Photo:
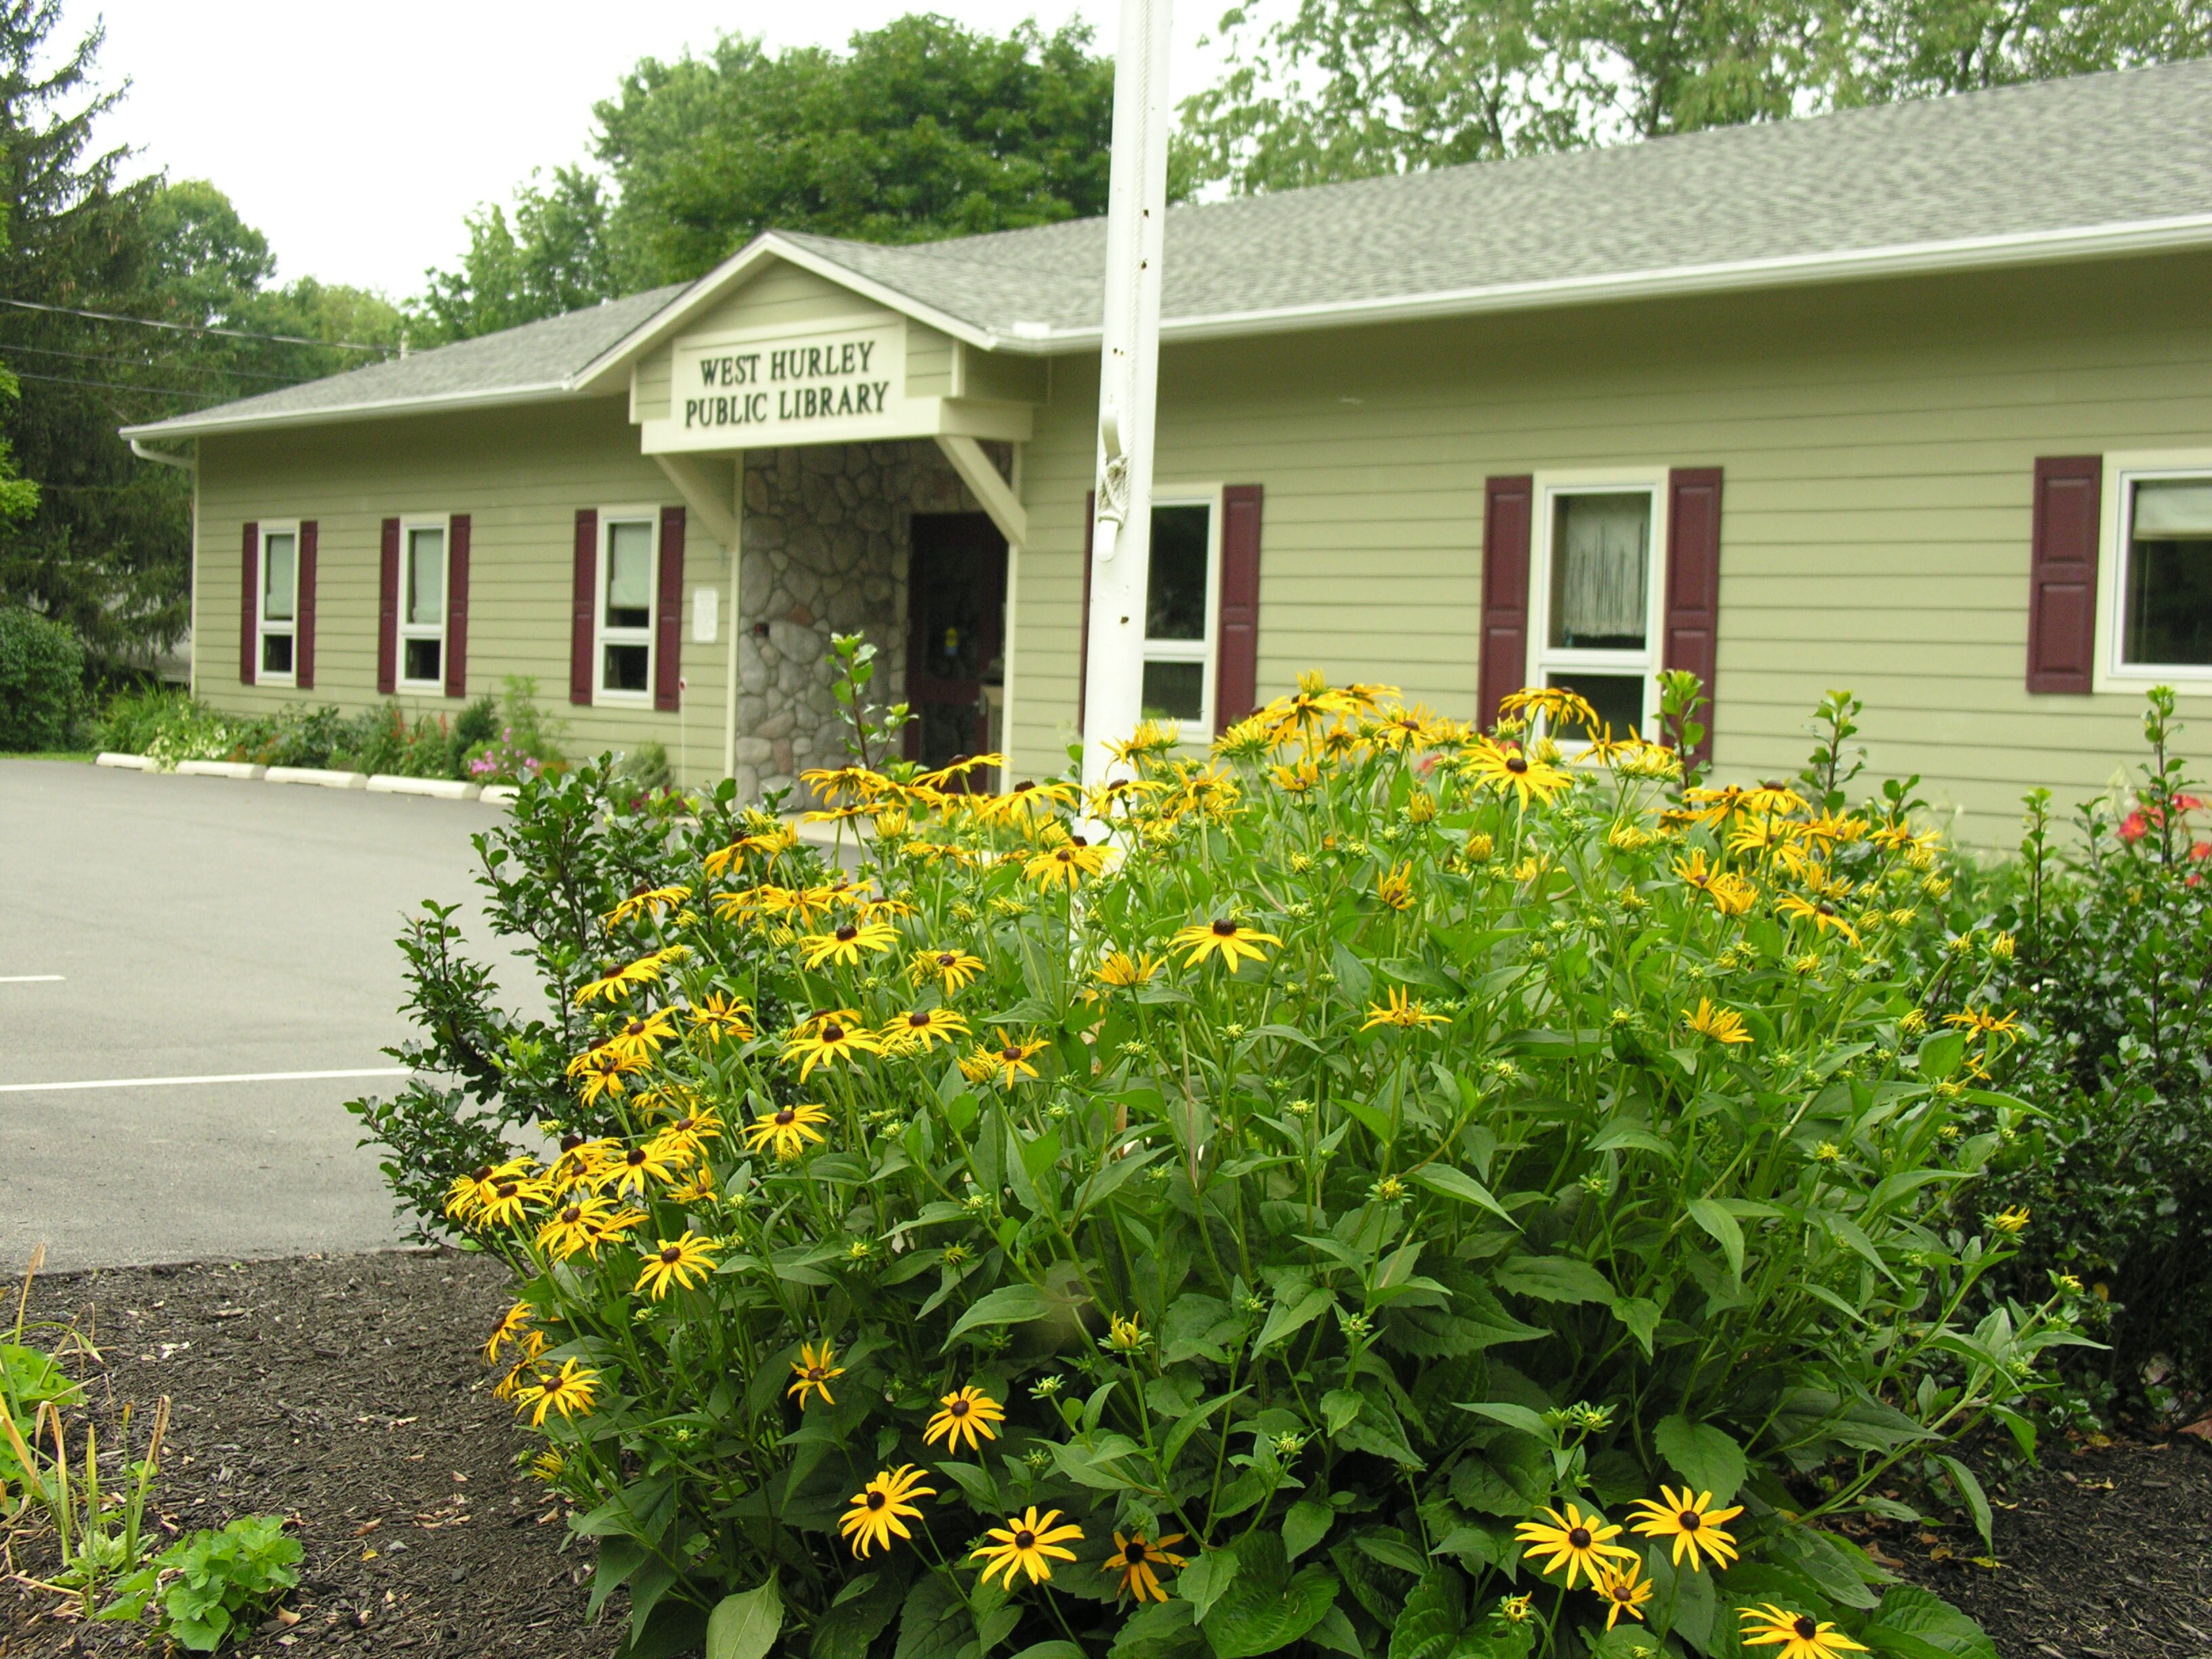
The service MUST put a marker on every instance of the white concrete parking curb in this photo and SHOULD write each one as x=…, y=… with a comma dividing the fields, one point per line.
x=318, y=774
x=384, y=783
x=220, y=770
x=126, y=763
x=499, y=794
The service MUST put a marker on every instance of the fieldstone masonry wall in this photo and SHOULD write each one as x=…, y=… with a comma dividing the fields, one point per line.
x=827, y=536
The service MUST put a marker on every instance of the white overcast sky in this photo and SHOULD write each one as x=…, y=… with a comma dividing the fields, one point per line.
x=357, y=138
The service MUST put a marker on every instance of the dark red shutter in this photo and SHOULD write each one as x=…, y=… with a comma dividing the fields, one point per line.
x=303, y=609
x=249, y=604
x=1236, y=648
x=1506, y=519
x=668, y=614
x=387, y=611
x=1082, y=627
x=457, y=606
x=580, y=631
x=2062, y=573
x=1694, y=584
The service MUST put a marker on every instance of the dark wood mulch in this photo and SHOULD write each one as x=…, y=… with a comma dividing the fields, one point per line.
x=347, y=1393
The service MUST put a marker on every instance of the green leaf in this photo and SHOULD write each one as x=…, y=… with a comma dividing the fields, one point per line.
x=848, y=1629
x=1925, y=1618
x=1513, y=1416
x=1977, y=1501
x=1202, y=1583
x=1723, y=1226
x=1623, y=1133
x=934, y=1623
x=1306, y=1525
x=1707, y=1457
x=1434, y=1615
x=1287, y=1318
x=1335, y=1634
x=1010, y=1304
x=1641, y=1315
x=1554, y=1278
x=1059, y=1647
x=1338, y=1408
x=1252, y=1619
x=1457, y=1183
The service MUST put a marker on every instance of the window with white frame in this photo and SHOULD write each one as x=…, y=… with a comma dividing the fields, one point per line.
x=1180, y=611
x=629, y=562
x=1595, y=590
x=2162, y=609
x=423, y=605
x=278, y=619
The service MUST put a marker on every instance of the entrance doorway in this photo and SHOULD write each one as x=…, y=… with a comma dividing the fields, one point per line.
x=956, y=637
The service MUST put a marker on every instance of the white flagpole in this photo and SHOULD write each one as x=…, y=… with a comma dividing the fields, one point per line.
x=1128, y=381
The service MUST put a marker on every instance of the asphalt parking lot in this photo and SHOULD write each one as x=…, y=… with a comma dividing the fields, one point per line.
x=187, y=929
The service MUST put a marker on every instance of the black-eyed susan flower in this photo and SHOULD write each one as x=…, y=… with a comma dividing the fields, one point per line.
x=655, y=899
x=640, y=1037
x=678, y=1261
x=815, y=1368
x=1032, y=1542
x=1799, y=1635
x=1006, y=1058
x=1980, y=1022
x=922, y=1030
x=1151, y=738
x=1691, y=1521
x=512, y=1324
x=1401, y=1010
x=1508, y=770
x=1137, y=1560
x=720, y=1015
x=1124, y=972
x=576, y=1226
x=825, y=1039
x=1576, y=1541
x=1394, y=887
x=568, y=1391
x=952, y=969
x=1555, y=704
x=1295, y=777
x=843, y=945
x=619, y=981
x=882, y=1507
x=629, y=1170
x=1624, y=1589
x=2010, y=1221
x=1126, y=1334
x=788, y=1130
x=687, y=1133
x=1824, y=916
x=602, y=1071
x=1723, y=1025
x=1232, y=940
x=965, y=1414
x=1064, y=866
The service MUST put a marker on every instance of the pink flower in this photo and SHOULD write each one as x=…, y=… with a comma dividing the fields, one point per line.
x=2135, y=826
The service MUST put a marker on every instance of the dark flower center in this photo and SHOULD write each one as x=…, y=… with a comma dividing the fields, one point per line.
x=958, y=1408
x=1224, y=929
x=1077, y=841
x=1691, y=1520
x=833, y=1034
x=484, y=1173
x=876, y=1500
x=573, y=1214
x=1066, y=855
x=1515, y=764
x=1024, y=1540
x=507, y=1189
x=683, y=1124
x=635, y=1158
x=671, y=1255
x=1806, y=1629
x=1025, y=785
x=633, y=1028
x=814, y=1373
x=569, y=1143
x=786, y=1117
x=1011, y=1051
x=918, y=1021
x=945, y=959
x=1135, y=1552
x=847, y=933
x=1826, y=909
x=1580, y=1538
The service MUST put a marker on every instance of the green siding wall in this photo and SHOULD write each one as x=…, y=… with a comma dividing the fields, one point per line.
x=520, y=474
x=1878, y=442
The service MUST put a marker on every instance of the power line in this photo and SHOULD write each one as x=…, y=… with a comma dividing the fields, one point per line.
x=118, y=385
x=8, y=347
x=196, y=328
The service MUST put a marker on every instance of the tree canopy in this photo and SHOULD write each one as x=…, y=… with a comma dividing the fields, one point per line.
x=1317, y=90
x=923, y=129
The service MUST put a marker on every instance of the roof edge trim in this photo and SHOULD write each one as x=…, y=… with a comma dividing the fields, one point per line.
x=184, y=426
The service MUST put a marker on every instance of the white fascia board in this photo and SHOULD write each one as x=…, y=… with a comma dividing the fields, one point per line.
x=1902, y=259
x=542, y=391
x=600, y=374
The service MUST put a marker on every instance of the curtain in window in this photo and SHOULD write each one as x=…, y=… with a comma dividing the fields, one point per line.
x=2173, y=511
x=1602, y=572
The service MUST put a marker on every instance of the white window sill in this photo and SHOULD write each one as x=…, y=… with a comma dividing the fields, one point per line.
x=621, y=700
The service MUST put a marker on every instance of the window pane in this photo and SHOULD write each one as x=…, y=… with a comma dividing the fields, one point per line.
x=625, y=668
x=423, y=657
x=2173, y=508
x=426, y=579
x=1174, y=690
x=2169, y=585
x=1175, y=596
x=279, y=562
x=629, y=576
x=276, y=653
x=1618, y=698
x=1600, y=560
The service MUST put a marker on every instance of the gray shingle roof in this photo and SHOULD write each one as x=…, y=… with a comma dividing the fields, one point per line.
x=2028, y=168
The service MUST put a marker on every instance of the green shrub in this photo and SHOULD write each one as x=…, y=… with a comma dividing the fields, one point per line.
x=525, y=744
x=226, y=1580
x=1393, y=1136
x=41, y=681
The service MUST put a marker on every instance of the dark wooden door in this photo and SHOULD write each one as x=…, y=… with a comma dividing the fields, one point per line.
x=955, y=634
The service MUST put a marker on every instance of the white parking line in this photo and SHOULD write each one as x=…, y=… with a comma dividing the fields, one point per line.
x=28, y=979
x=169, y=1082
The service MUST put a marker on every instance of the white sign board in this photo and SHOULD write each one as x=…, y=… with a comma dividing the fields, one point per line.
x=706, y=614
x=830, y=384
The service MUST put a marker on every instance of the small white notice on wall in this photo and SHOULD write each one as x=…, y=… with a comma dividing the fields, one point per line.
x=706, y=611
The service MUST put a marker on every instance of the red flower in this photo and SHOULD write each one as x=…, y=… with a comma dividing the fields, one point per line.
x=2135, y=826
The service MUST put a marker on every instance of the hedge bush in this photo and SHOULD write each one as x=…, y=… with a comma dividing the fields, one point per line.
x=1396, y=1159
x=41, y=681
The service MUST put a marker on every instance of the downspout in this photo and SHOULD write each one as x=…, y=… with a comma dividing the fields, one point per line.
x=189, y=463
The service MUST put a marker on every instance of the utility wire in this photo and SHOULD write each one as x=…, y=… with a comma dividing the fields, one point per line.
x=8, y=347
x=118, y=385
x=196, y=328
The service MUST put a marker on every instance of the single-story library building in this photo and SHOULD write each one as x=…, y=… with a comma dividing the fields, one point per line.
x=1915, y=400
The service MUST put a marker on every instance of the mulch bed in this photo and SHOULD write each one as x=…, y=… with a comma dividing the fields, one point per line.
x=347, y=1393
